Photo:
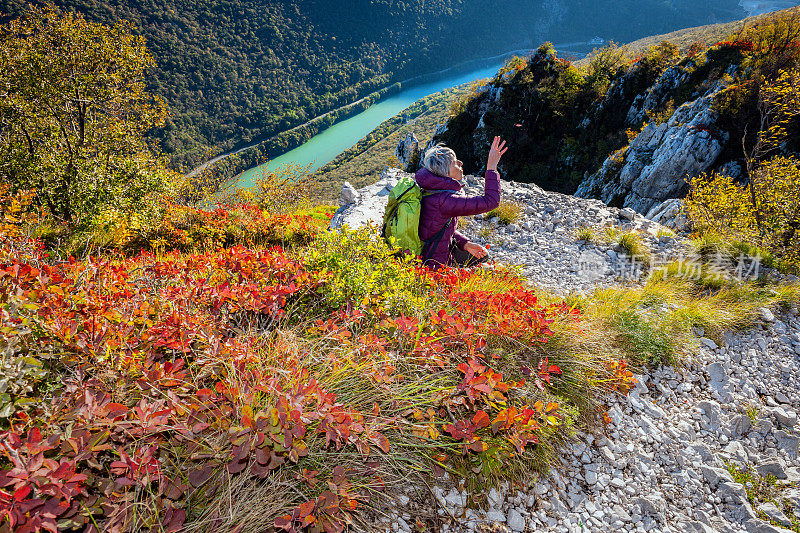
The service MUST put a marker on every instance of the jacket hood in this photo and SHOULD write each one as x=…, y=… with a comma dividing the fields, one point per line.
x=431, y=182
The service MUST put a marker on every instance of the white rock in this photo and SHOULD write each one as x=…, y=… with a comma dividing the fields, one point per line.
x=788, y=442
x=714, y=476
x=776, y=467
x=516, y=521
x=708, y=343
x=348, y=194
x=784, y=417
x=772, y=511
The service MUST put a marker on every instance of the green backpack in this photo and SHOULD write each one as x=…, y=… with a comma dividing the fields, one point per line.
x=401, y=218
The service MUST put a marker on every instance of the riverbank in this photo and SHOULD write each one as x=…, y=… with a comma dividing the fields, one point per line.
x=238, y=160
x=254, y=154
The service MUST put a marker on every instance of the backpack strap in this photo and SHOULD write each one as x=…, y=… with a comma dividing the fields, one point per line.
x=427, y=249
x=431, y=244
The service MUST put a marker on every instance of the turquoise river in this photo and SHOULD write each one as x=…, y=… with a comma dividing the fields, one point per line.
x=326, y=145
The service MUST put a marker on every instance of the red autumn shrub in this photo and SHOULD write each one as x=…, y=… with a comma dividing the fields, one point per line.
x=167, y=375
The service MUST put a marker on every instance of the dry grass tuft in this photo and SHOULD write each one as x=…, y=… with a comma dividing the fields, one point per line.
x=507, y=212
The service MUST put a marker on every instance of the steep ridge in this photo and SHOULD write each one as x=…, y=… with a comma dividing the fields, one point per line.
x=362, y=162
x=665, y=460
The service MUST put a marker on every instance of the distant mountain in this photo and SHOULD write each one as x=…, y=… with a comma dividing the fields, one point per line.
x=234, y=71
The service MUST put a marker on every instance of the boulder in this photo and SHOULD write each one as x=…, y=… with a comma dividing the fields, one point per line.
x=733, y=169
x=715, y=476
x=775, y=467
x=407, y=150
x=774, y=514
x=788, y=442
x=660, y=158
x=784, y=417
x=368, y=202
x=670, y=214
x=348, y=195
x=653, y=507
x=740, y=425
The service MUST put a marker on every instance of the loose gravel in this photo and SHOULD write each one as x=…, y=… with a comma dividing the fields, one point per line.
x=662, y=463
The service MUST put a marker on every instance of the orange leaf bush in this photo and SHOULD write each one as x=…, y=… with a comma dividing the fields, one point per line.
x=172, y=373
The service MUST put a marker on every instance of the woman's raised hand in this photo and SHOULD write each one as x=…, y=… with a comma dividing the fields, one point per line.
x=495, y=153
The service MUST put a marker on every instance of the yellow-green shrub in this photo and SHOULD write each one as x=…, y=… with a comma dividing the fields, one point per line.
x=765, y=213
x=363, y=270
x=506, y=212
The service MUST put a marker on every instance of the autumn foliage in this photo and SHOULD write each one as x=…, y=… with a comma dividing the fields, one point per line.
x=156, y=379
x=764, y=211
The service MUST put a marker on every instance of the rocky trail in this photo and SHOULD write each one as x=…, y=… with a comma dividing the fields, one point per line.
x=661, y=464
x=543, y=242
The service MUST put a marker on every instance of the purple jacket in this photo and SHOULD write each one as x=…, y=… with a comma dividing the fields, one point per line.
x=438, y=208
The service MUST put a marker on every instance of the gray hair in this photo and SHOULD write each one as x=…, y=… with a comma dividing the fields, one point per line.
x=438, y=159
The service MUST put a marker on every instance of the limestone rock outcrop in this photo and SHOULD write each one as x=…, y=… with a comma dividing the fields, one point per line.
x=348, y=194
x=438, y=130
x=656, y=164
x=407, y=150
x=656, y=95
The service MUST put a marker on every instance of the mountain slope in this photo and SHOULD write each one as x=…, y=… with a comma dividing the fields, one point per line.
x=629, y=130
x=235, y=71
x=360, y=164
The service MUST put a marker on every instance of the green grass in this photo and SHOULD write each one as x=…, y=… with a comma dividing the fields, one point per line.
x=586, y=233
x=629, y=241
x=653, y=324
x=752, y=413
x=318, y=212
x=507, y=212
x=486, y=232
x=612, y=233
x=763, y=489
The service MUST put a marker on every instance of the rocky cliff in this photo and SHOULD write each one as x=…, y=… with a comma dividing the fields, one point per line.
x=654, y=167
x=630, y=133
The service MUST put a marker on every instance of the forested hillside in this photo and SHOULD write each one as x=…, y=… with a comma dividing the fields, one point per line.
x=234, y=71
x=360, y=164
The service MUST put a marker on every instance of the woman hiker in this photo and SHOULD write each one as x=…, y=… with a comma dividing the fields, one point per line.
x=438, y=221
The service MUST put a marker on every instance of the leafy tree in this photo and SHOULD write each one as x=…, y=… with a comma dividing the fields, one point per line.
x=766, y=210
x=74, y=113
x=603, y=65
